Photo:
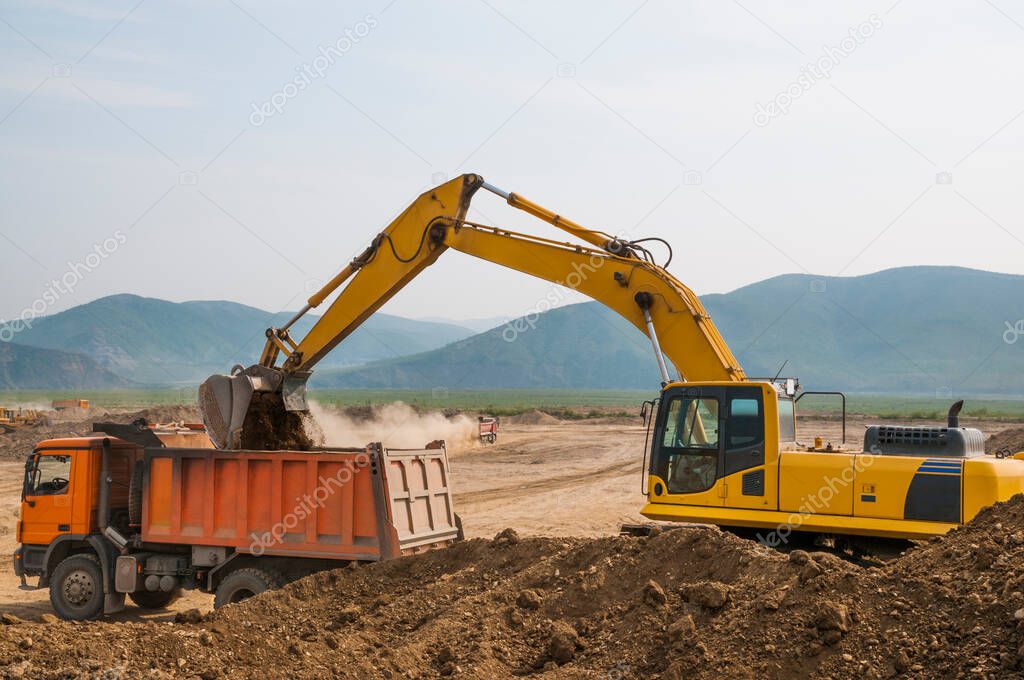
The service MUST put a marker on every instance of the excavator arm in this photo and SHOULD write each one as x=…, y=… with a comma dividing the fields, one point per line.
x=613, y=271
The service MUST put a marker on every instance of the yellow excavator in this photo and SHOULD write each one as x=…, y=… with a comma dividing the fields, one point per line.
x=15, y=419
x=723, y=447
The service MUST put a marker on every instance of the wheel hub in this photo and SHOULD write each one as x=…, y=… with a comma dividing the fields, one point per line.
x=78, y=588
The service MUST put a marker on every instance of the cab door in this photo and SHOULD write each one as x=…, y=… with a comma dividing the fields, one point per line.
x=686, y=462
x=747, y=481
x=46, y=510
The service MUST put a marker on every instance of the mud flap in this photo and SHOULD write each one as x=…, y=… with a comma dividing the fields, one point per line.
x=113, y=603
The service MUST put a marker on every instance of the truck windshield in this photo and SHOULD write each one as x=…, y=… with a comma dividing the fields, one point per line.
x=49, y=475
x=688, y=456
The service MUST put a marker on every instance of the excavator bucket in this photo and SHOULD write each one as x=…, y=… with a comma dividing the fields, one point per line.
x=224, y=400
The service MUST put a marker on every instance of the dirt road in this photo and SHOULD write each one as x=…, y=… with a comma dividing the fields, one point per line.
x=571, y=479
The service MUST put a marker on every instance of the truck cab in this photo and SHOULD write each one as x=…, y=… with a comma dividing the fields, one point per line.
x=66, y=511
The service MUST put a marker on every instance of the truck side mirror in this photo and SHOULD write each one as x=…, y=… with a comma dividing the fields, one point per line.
x=30, y=467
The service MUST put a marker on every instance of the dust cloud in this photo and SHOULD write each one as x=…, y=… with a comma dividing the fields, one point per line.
x=396, y=425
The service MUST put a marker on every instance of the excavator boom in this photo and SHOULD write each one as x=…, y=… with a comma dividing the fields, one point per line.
x=616, y=272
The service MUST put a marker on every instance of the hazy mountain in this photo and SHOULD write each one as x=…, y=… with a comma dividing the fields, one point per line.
x=583, y=345
x=25, y=368
x=477, y=325
x=915, y=329
x=155, y=341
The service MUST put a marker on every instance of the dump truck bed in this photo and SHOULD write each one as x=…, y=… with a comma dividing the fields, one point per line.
x=348, y=504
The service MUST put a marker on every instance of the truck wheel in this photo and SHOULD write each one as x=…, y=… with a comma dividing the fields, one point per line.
x=154, y=599
x=242, y=584
x=76, y=588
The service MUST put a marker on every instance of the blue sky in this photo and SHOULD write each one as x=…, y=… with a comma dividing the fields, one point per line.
x=135, y=118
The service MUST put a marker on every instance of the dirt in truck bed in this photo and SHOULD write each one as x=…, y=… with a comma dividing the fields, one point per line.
x=687, y=603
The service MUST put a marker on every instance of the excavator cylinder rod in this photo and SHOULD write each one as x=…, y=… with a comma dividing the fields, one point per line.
x=599, y=239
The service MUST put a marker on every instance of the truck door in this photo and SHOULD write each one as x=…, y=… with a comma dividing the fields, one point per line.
x=46, y=510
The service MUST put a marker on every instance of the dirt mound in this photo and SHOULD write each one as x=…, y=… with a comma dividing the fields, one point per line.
x=169, y=414
x=534, y=417
x=1011, y=440
x=19, y=444
x=687, y=603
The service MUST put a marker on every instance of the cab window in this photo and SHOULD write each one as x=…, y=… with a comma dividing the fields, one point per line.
x=787, y=420
x=688, y=459
x=746, y=427
x=49, y=475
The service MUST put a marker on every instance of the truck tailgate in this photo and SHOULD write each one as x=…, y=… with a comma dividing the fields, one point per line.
x=420, y=498
x=348, y=504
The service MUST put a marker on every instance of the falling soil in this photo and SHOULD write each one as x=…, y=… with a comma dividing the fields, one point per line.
x=687, y=603
x=269, y=426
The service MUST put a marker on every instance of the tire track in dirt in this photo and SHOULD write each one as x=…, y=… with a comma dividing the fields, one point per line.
x=574, y=481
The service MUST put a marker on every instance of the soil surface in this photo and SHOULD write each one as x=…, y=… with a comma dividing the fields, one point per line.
x=1010, y=440
x=17, y=445
x=561, y=596
x=687, y=603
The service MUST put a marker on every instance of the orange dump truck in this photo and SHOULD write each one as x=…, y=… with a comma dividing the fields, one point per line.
x=146, y=513
x=64, y=404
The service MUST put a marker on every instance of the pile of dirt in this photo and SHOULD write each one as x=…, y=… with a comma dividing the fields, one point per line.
x=20, y=443
x=269, y=426
x=692, y=602
x=687, y=603
x=170, y=414
x=1011, y=440
x=534, y=417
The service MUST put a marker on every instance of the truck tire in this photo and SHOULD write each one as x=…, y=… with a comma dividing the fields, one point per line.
x=76, y=588
x=135, y=496
x=154, y=599
x=244, y=583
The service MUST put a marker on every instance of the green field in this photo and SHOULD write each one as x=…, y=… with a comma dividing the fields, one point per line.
x=914, y=407
x=565, y=403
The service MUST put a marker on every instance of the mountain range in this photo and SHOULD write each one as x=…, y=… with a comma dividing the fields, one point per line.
x=907, y=330
x=151, y=341
x=923, y=330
